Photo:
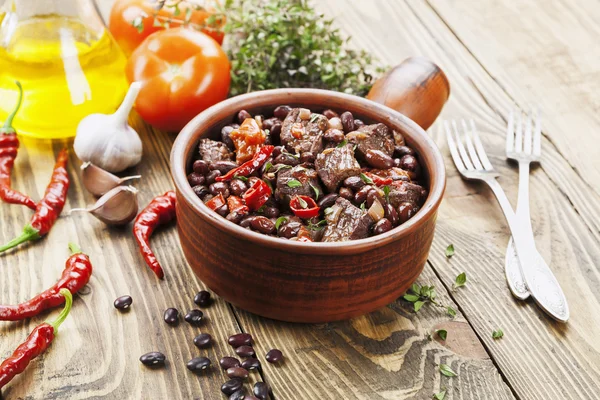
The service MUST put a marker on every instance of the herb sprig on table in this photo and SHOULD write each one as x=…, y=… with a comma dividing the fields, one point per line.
x=286, y=43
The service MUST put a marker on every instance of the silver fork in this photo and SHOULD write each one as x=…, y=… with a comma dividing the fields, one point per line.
x=525, y=149
x=473, y=164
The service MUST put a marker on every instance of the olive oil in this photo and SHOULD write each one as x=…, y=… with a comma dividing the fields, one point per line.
x=67, y=71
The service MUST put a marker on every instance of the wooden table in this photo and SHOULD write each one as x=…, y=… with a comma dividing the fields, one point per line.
x=498, y=55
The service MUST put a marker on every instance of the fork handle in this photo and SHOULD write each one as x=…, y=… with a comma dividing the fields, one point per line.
x=539, y=278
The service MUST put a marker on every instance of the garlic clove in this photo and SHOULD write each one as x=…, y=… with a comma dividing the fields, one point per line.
x=118, y=206
x=98, y=181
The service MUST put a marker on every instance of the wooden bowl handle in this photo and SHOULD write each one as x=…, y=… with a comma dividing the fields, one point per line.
x=416, y=88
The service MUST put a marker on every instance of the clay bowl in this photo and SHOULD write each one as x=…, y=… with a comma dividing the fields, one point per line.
x=297, y=281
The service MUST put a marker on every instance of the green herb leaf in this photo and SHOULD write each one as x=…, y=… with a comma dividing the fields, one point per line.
x=498, y=334
x=302, y=202
x=314, y=117
x=415, y=288
x=450, y=250
x=451, y=311
x=446, y=370
x=366, y=179
x=268, y=166
x=328, y=211
x=283, y=166
x=294, y=183
x=342, y=143
x=442, y=333
x=363, y=206
x=138, y=23
x=418, y=305
x=386, y=193
x=411, y=297
x=280, y=221
x=440, y=396
x=460, y=280
x=316, y=190
x=241, y=178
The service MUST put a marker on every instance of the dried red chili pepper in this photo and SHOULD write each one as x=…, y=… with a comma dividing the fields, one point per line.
x=236, y=204
x=257, y=195
x=216, y=202
x=9, y=147
x=260, y=157
x=304, y=207
x=378, y=180
x=49, y=208
x=37, y=342
x=160, y=211
x=77, y=273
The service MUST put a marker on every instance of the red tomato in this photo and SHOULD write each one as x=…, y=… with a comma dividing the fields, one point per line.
x=183, y=72
x=124, y=13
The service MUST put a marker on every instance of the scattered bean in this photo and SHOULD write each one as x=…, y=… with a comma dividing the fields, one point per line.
x=226, y=135
x=251, y=398
x=212, y=175
x=239, y=395
x=237, y=372
x=354, y=183
x=195, y=179
x=346, y=193
x=153, y=359
x=171, y=316
x=229, y=362
x=327, y=200
x=378, y=159
x=261, y=390
x=231, y=386
x=274, y=356
x=382, y=226
x=202, y=298
x=333, y=135
x=123, y=303
x=262, y=225
x=200, y=191
x=245, y=351
x=282, y=111
x=203, y=340
x=201, y=167
x=330, y=114
x=198, y=364
x=347, y=121
x=251, y=363
x=242, y=116
x=240, y=339
x=194, y=317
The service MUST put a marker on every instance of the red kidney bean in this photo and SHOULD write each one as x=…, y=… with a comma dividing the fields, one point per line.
x=346, y=193
x=226, y=135
x=229, y=362
x=239, y=395
x=411, y=164
x=348, y=121
x=223, y=211
x=282, y=111
x=198, y=364
x=212, y=175
x=237, y=372
x=287, y=159
x=400, y=151
x=354, y=183
x=271, y=212
x=391, y=214
x=372, y=195
x=123, y=303
x=330, y=114
x=153, y=359
x=327, y=200
x=219, y=187
x=378, y=159
x=275, y=132
x=250, y=364
x=245, y=351
x=195, y=179
x=261, y=390
x=201, y=167
x=240, y=339
x=237, y=187
x=358, y=123
x=307, y=157
x=231, y=386
x=203, y=340
x=194, y=317
x=171, y=316
x=262, y=225
x=274, y=356
x=269, y=122
x=333, y=135
x=242, y=116
x=406, y=211
x=200, y=191
x=202, y=298
x=277, y=150
x=361, y=196
x=382, y=226
x=246, y=221
x=250, y=397
x=235, y=217
x=223, y=166
x=289, y=229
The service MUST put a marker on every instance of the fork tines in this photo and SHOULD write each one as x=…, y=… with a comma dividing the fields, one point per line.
x=467, y=150
x=524, y=137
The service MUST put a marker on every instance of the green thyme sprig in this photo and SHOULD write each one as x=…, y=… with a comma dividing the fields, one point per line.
x=420, y=295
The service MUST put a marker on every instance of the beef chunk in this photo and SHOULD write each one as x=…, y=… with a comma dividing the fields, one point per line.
x=300, y=136
x=336, y=164
x=401, y=192
x=305, y=176
x=346, y=222
x=211, y=151
x=372, y=137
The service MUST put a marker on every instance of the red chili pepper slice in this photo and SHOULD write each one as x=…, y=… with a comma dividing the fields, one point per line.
x=304, y=207
x=236, y=204
x=378, y=180
x=37, y=342
x=216, y=202
x=260, y=157
x=257, y=195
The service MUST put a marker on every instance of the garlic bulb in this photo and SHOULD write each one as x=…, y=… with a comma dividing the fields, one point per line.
x=107, y=140
x=118, y=206
x=98, y=181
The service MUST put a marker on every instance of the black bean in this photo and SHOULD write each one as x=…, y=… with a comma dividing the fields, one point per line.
x=307, y=157
x=153, y=359
x=274, y=356
x=333, y=135
x=330, y=114
x=237, y=372
x=275, y=132
x=123, y=303
x=237, y=187
x=229, y=362
x=240, y=339
x=239, y=395
x=195, y=179
x=382, y=226
x=251, y=398
x=245, y=351
x=289, y=229
x=202, y=298
x=246, y=221
x=358, y=123
x=203, y=340
x=271, y=212
x=347, y=121
x=372, y=195
x=391, y=214
x=201, y=167
x=378, y=159
x=361, y=196
x=287, y=159
x=262, y=225
x=251, y=363
x=346, y=193
x=269, y=122
x=277, y=150
x=226, y=135
x=243, y=115
x=223, y=210
x=219, y=187
x=198, y=364
x=282, y=111
x=400, y=151
x=261, y=390
x=171, y=316
x=200, y=191
x=212, y=175
x=231, y=386
x=327, y=200
x=406, y=211
x=411, y=164
x=235, y=217
x=194, y=317
x=354, y=182
x=223, y=166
